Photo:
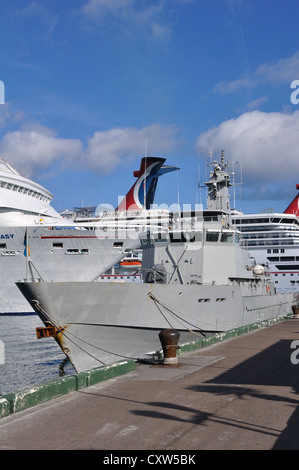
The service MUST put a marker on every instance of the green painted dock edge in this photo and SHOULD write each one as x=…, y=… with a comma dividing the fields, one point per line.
x=14, y=402
x=218, y=337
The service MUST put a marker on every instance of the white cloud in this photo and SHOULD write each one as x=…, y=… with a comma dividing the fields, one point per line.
x=47, y=19
x=96, y=9
x=257, y=103
x=275, y=73
x=8, y=115
x=233, y=86
x=106, y=149
x=266, y=144
x=283, y=71
x=156, y=19
x=34, y=148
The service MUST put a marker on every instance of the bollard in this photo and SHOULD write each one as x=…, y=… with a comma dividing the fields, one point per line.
x=169, y=340
x=295, y=309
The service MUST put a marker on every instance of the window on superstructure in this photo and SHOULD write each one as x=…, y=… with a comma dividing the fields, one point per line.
x=227, y=237
x=160, y=238
x=257, y=221
x=212, y=236
x=286, y=221
x=179, y=237
x=117, y=244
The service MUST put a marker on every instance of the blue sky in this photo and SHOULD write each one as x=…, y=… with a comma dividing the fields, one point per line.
x=90, y=83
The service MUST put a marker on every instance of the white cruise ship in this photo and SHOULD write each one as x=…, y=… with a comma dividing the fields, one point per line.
x=34, y=237
x=272, y=239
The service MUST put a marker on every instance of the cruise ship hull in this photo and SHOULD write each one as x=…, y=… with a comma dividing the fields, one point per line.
x=55, y=254
x=101, y=323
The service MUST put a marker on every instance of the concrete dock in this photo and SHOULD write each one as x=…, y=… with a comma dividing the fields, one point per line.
x=239, y=394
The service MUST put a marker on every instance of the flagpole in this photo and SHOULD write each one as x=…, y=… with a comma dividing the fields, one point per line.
x=144, y=181
x=26, y=254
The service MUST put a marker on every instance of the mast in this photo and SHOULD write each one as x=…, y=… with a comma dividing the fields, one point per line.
x=144, y=181
x=218, y=184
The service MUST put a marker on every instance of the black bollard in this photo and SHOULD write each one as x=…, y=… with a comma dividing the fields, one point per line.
x=169, y=340
x=295, y=309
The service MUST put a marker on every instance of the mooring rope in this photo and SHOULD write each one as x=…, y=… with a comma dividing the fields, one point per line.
x=61, y=330
x=170, y=310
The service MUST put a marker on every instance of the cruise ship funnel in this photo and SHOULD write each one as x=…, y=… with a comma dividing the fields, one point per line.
x=293, y=207
x=142, y=193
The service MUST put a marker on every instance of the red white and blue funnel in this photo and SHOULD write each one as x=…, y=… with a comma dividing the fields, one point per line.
x=142, y=193
x=293, y=207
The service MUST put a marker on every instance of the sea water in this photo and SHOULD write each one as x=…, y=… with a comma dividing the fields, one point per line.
x=24, y=359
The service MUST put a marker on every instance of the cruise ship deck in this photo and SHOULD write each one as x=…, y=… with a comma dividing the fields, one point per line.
x=272, y=239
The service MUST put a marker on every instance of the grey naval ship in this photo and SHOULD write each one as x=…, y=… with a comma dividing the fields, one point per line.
x=196, y=278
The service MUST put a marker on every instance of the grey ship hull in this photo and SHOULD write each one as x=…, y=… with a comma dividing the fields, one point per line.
x=106, y=322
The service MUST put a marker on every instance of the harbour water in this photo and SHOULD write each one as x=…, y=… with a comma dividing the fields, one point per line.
x=24, y=359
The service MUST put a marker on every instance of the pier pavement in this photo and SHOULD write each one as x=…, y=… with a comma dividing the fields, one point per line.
x=239, y=394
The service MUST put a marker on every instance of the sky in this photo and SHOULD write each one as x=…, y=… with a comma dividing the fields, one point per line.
x=89, y=87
